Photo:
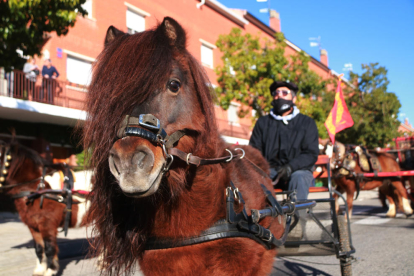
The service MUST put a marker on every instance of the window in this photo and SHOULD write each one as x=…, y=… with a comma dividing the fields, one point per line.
x=78, y=71
x=135, y=22
x=206, y=56
x=88, y=7
x=207, y=53
x=232, y=116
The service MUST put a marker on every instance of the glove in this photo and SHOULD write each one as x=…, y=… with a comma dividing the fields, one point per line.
x=284, y=172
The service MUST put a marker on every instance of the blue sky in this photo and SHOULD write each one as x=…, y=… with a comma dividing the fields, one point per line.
x=354, y=32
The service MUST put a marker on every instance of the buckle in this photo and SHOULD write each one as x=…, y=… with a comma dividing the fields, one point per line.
x=270, y=237
x=153, y=125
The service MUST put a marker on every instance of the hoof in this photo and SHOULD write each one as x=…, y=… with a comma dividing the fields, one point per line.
x=392, y=213
x=406, y=206
x=50, y=272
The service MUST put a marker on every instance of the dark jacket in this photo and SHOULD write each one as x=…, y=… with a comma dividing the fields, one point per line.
x=295, y=144
x=49, y=71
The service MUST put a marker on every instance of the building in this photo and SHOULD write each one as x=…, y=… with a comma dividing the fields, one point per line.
x=36, y=115
x=406, y=128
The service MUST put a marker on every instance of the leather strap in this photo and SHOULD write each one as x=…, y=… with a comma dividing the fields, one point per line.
x=140, y=132
x=235, y=225
x=216, y=232
x=195, y=160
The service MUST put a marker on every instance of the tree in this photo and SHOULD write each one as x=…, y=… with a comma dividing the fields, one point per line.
x=250, y=65
x=373, y=109
x=24, y=25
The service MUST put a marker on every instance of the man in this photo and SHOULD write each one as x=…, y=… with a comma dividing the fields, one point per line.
x=49, y=74
x=288, y=140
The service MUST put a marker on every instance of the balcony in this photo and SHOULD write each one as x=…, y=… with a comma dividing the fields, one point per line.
x=47, y=91
x=232, y=129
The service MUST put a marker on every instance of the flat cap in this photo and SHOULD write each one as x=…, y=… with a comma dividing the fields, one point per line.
x=278, y=84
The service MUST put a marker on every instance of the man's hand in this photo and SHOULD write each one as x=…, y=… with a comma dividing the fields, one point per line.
x=284, y=172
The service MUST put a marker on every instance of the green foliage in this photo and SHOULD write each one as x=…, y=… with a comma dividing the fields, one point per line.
x=373, y=109
x=250, y=65
x=24, y=25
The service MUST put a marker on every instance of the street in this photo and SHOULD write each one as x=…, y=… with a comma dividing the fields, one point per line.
x=383, y=247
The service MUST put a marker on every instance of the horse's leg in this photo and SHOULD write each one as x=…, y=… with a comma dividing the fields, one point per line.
x=341, y=190
x=41, y=265
x=350, y=192
x=403, y=193
x=392, y=210
x=49, y=234
x=382, y=196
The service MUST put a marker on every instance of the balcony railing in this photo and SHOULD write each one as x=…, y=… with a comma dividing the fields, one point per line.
x=234, y=129
x=49, y=91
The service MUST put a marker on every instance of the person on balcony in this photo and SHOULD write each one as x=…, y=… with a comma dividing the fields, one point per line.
x=31, y=71
x=288, y=140
x=49, y=74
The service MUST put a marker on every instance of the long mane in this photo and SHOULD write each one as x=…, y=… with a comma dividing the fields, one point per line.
x=128, y=70
x=20, y=154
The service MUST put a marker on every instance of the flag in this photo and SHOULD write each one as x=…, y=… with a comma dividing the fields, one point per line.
x=339, y=118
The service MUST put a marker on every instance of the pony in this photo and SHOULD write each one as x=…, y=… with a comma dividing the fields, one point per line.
x=23, y=170
x=150, y=189
x=347, y=180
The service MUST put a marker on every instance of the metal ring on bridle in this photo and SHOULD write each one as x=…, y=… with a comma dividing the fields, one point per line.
x=244, y=153
x=188, y=158
x=231, y=156
x=167, y=167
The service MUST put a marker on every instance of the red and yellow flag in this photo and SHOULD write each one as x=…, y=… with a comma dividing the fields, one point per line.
x=339, y=118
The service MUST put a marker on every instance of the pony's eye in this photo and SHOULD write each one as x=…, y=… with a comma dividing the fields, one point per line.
x=174, y=86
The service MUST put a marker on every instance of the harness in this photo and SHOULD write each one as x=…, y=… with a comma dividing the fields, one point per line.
x=367, y=162
x=235, y=224
x=63, y=196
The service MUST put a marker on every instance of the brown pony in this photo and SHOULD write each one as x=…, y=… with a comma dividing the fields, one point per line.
x=24, y=169
x=347, y=182
x=134, y=199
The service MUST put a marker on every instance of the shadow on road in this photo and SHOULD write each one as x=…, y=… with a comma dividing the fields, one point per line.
x=67, y=248
x=70, y=250
x=286, y=267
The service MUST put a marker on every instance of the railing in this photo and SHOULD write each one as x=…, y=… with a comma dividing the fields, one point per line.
x=233, y=129
x=49, y=91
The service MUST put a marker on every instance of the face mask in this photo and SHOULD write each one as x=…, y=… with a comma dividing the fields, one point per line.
x=281, y=106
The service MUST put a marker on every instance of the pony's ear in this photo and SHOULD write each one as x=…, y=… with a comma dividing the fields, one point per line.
x=174, y=32
x=111, y=34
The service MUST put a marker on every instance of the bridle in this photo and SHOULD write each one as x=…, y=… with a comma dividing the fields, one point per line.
x=148, y=126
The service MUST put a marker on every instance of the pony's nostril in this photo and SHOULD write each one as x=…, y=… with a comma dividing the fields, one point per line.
x=139, y=159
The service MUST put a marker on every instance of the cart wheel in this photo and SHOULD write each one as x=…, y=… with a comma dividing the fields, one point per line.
x=344, y=246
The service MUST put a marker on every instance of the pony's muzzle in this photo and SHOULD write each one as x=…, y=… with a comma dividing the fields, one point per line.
x=135, y=169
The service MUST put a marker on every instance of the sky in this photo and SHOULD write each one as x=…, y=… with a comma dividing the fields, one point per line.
x=352, y=31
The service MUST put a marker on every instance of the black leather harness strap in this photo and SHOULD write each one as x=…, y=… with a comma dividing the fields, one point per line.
x=236, y=225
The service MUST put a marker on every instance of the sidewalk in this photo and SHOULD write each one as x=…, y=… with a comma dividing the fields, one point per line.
x=17, y=254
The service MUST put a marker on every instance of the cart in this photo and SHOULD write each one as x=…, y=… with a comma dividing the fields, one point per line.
x=321, y=231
